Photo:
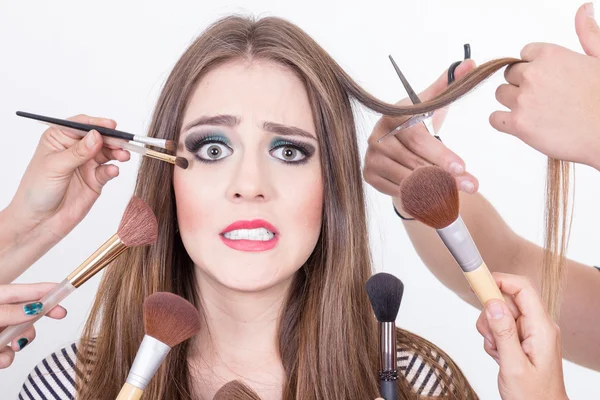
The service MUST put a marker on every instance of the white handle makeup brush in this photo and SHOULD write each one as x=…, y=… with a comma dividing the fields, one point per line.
x=385, y=293
x=430, y=195
x=138, y=227
x=168, y=320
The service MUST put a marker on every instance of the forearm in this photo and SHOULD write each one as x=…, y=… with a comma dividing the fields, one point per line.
x=21, y=244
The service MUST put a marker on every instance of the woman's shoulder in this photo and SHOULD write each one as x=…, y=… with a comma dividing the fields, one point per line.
x=424, y=374
x=54, y=378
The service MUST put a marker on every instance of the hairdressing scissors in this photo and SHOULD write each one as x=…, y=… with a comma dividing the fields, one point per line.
x=426, y=118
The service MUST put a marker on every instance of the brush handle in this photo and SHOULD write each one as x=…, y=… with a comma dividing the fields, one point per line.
x=49, y=301
x=389, y=390
x=78, y=125
x=483, y=284
x=130, y=392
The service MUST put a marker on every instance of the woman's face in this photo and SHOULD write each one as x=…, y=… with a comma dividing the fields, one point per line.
x=249, y=206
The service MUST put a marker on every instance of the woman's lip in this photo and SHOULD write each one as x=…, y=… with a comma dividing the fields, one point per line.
x=251, y=245
x=252, y=224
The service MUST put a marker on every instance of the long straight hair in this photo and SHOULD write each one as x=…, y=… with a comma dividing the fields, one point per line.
x=327, y=333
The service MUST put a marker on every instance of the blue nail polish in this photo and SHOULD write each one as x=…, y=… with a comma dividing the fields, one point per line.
x=22, y=343
x=33, y=308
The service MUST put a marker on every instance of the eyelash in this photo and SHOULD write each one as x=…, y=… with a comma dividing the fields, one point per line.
x=197, y=143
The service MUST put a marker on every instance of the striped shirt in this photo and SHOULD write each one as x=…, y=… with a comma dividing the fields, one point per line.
x=54, y=378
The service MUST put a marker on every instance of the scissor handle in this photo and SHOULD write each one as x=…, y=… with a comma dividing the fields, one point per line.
x=451, y=77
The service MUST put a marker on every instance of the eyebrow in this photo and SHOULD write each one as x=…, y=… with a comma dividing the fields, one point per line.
x=231, y=121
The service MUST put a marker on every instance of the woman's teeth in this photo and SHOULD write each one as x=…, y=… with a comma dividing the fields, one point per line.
x=260, y=234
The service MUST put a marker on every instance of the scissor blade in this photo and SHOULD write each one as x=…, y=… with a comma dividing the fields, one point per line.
x=415, y=119
x=411, y=93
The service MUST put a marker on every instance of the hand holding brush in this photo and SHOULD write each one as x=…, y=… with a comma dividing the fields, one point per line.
x=138, y=227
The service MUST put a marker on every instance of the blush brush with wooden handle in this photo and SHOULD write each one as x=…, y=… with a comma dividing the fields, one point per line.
x=168, y=320
x=430, y=195
x=138, y=227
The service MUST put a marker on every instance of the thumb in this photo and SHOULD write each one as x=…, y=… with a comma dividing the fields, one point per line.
x=506, y=336
x=588, y=30
x=78, y=154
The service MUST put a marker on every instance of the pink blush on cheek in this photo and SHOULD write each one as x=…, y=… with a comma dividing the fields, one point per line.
x=188, y=216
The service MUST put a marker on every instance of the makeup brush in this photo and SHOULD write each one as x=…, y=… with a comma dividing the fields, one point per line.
x=385, y=293
x=430, y=195
x=169, y=145
x=181, y=162
x=235, y=390
x=168, y=320
x=138, y=227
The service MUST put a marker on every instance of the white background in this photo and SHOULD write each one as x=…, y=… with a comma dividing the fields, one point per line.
x=111, y=58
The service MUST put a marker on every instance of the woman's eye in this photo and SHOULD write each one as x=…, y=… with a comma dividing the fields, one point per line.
x=288, y=153
x=213, y=151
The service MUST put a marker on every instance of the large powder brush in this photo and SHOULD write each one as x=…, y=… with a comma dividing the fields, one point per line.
x=168, y=321
x=385, y=293
x=138, y=227
x=430, y=195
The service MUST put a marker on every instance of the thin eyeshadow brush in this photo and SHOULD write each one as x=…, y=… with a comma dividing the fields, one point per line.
x=162, y=143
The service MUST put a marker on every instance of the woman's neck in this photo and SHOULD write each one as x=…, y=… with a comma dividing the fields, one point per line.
x=240, y=340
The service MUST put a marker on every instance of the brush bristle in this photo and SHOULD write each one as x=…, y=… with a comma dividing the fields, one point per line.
x=182, y=162
x=170, y=145
x=430, y=195
x=170, y=318
x=138, y=226
x=385, y=293
x=235, y=390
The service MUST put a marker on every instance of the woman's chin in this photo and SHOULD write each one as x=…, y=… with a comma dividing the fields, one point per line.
x=249, y=278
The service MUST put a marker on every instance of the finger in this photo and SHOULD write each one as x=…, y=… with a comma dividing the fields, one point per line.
x=105, y=173
x=502, y=121
x=66, y=161
x=14, y=314
x=7, y=355
x=532, y=51
x=108, y=154
x=57, y=312
x=397, y=152
x=20, y=292
x=524, y=295
x=87, y=119
x=384, y=186
x=23, y=340
x=491, y=350
x=420, y=142
x=507, y=95
x=514, y=74
x=483, y=327
x=506, y=337
x=467, y=183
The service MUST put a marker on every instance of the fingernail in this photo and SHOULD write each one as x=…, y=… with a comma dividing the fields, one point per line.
x=456, y=168
x=33, y=308
x=589, y=9
x=467, y=186
x=90, y=140
x=497, y=360
x=494, y=310
x=22, y=343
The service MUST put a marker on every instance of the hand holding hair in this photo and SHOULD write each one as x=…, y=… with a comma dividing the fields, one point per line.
x=62, y=181
x=524, y=341
x=553, y=99
x=18, y=304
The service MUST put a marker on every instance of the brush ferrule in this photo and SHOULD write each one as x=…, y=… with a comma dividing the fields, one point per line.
x=150, y=355
x=151, y=141
x=458, y=240
x=387, y=346
x=110, y=250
